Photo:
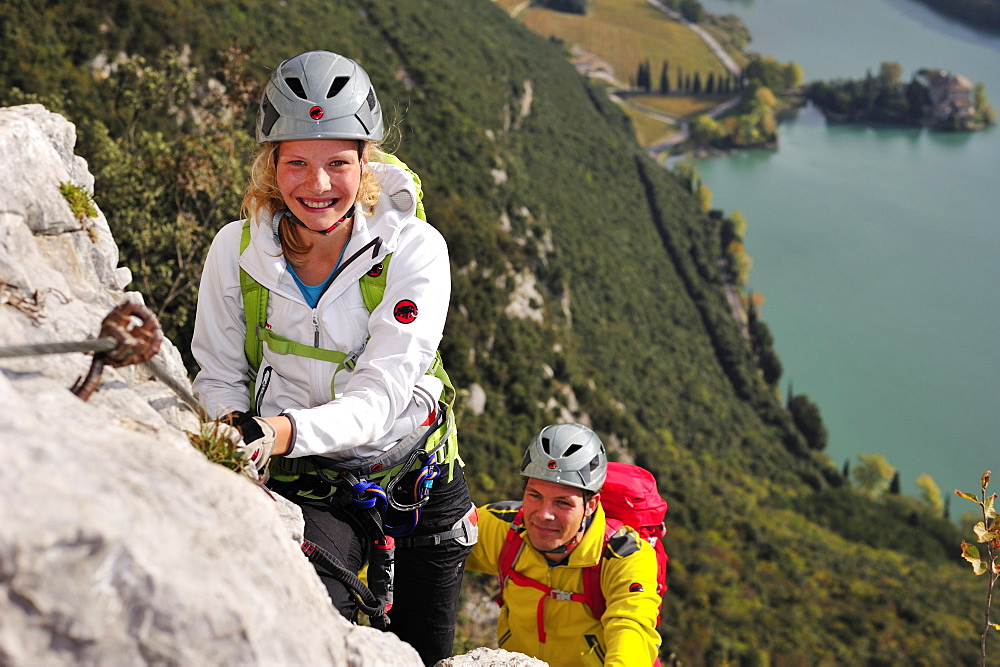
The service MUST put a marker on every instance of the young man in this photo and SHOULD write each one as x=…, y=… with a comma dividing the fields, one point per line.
x=557, y=537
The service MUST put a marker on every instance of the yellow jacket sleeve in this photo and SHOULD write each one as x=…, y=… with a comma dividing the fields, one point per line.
x=494, y=522
x=629, y=620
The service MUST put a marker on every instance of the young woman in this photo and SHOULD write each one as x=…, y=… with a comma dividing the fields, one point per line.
x=339, y=387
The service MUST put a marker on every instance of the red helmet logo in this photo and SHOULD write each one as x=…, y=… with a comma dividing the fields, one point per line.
x=316, y=113
x=553, y=465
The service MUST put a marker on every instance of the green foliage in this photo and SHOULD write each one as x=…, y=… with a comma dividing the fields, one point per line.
x=79, y=201
x=692, y=10
x=166, y=192
x=214, y=441
x=81, y=205
x=569, y=6
x=872, y=474
x=808, y=420
x=769, y=73
x=884, y=99
x=930, y=493
x=895, y=522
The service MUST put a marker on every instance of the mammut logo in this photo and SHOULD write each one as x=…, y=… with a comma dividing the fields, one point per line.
x=553, y=465
x=636, y=588
x=405, y=311
x=316, y=113
x=375, y=271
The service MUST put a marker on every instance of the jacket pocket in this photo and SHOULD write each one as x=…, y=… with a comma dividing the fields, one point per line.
x=594, y=653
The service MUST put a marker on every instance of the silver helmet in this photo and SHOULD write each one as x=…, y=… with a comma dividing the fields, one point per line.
x=319, y=95
x=569, y=454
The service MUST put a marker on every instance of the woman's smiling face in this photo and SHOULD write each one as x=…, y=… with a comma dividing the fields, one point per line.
x=319, y=179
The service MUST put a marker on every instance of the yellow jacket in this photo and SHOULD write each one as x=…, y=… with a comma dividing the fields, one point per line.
x=625, y=636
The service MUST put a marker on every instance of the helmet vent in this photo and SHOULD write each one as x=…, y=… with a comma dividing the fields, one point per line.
x=270, y=116
x=296, y=85
x=371, y=99
x=572, y=449
x=337, y=86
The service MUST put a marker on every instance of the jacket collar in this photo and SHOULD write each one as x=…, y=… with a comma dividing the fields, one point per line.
x=588, y=552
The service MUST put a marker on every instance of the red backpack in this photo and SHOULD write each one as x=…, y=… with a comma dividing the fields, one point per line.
x=630, y=498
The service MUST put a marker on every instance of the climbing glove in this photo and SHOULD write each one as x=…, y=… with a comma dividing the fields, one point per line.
x=257, y=441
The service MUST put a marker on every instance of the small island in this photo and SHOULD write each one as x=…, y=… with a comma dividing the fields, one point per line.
x=933, y=98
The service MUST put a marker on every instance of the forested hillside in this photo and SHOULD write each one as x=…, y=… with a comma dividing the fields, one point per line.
x=587, y=286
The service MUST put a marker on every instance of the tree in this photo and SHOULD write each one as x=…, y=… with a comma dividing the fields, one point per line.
x=930, y=493
x=687, y=173
x=664, y=79
x=807, y=419
x=872, y=474
x=889, y=75
x=734, y=228
x=692, y=10
x=917, y=97
x=769, y=73
x=705, y=130
x=894, y=485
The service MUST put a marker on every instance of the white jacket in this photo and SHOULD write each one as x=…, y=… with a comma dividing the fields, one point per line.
x=388, y=394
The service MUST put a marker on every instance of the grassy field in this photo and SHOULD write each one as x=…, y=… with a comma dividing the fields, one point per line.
x=648, y=131
x=508, y=5
x=626, y=33
x=677, y=106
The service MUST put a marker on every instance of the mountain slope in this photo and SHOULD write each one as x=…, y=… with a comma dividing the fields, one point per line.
x=586, y=287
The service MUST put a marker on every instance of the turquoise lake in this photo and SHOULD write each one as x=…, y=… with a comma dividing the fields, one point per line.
x=877, y=250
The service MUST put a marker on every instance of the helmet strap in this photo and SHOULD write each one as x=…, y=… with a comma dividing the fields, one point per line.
x=349, y=214
x=569, y=546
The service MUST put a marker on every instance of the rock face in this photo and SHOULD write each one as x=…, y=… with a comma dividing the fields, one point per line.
x=119, y=542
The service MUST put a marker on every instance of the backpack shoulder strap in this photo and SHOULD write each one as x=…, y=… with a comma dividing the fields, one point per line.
x=254, y=309
x=512, y=545
x=373, y=283
x=593, y=595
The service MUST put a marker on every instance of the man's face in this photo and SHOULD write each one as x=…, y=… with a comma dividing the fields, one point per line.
x=553, y=513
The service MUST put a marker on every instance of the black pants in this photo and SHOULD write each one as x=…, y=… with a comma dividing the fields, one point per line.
x=428, y=579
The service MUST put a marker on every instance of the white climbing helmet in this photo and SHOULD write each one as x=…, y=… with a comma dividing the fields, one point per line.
x=569, y=454
x=319, y=95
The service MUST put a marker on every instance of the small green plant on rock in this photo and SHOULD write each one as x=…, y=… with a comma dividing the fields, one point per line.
x=988, y=533
x=215, y=442
x=82, y=206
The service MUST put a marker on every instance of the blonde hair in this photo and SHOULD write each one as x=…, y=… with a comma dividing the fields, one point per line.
x=263, y=198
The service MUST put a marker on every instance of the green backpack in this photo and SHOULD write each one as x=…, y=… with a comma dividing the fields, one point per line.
x=372, y=286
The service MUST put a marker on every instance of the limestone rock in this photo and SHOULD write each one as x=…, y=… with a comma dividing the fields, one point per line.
x=119, y=542
x=484, y=657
